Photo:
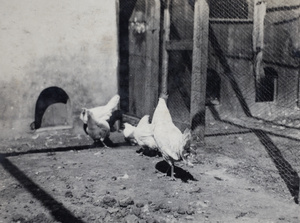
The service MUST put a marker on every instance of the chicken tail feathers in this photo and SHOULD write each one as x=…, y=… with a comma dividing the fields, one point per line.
x=113, y=102
x=128, y=130
x=144, y=121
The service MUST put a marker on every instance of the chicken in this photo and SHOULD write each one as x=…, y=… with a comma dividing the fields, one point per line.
x=101, y=112
x=173, y=145
x=142, y=134
x=97, y=130
x=96, y=121
x=128, y=133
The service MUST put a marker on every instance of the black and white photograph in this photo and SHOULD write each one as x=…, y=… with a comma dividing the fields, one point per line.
x=149, y=111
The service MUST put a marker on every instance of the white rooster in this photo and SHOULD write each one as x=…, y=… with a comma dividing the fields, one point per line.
x=96, y=120
x=173, y=145
x=142, y=134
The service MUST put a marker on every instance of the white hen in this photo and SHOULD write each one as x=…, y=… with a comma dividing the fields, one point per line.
x=128, y=133
x=101, y=112
x=173, y=145
x=95, y=120
x=97, y=130
x=142, y=133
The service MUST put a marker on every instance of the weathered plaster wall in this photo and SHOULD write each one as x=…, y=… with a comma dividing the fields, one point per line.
x=68, y=44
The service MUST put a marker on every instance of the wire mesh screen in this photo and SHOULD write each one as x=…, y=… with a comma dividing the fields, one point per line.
x=252, y=72
x=255, y=52
x=230, y=9
x=182, y=20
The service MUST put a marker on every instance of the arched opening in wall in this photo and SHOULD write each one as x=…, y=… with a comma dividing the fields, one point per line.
x=213, y=87
x=53, y=109
x=266, y=86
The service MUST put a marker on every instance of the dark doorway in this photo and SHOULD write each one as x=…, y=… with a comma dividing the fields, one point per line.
x=52, y=108
x=213, y=87
x=267, y=86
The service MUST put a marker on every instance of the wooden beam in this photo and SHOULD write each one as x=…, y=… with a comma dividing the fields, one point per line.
x=258, y=25
x=166, y=38
x=258, y=39
x=199, y=71
x=152, y=55
x=230, y=21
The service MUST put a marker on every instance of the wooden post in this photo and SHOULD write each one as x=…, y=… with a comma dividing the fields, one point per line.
x=258, y=40
x=199, y=71
x=152, y=55
x=165, y=55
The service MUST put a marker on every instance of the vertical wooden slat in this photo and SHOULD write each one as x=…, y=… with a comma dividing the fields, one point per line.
x=117, y=2
x=258, y=25
x=117, y=6
x=152, y=55
x=137, y=59
x=166, y=38
x=199, y=70
x=258, y=38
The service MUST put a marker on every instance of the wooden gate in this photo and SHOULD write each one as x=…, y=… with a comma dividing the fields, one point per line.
x=173, y=60
x=177, y=58
x=184, y=65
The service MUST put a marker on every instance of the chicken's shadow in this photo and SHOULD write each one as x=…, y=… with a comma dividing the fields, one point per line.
x=108, y=142
x=179, y=173
x=149, y=152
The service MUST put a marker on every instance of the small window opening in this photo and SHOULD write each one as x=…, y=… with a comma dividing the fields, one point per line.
x=266, y=86
x=52, y=109
x=213, y=85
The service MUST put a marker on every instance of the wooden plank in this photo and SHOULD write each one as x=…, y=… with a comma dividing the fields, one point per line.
x=258, y=39
x=199, y=70
x=258, y=25
x=53, y=128
x=179, y=45
x=152, y=55
x=166, y=38
x=130, y=119
x=231, y=21
x=137, y=59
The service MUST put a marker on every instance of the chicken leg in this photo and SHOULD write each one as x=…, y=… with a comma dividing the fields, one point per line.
x=171, y=163
x=102, y=140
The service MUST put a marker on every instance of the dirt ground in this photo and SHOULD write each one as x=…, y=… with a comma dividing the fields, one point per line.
x=241, y=175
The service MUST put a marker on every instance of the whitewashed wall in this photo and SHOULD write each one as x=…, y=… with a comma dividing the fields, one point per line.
x=70, y=44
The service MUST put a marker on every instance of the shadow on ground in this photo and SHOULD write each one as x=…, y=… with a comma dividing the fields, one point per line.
x=179, y=173
x=57, y=210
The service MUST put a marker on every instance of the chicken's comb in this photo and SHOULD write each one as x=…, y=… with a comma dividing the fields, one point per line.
x=164, y=95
